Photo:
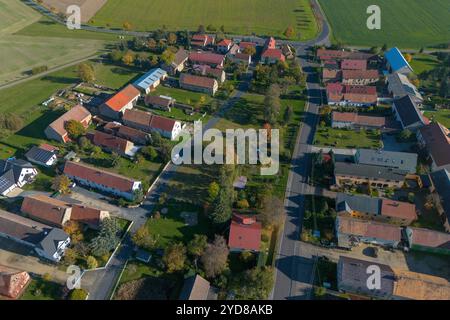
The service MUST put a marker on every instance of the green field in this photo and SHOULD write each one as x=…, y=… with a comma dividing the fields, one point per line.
x=423, y=62
x=262, y=17
x=404, y=23
x=20, y=53
x=342, y=138
x=442, y=116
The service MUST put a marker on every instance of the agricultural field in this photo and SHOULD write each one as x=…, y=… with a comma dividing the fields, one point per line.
x=24, y=52
x=404, y=23
x=262, y=17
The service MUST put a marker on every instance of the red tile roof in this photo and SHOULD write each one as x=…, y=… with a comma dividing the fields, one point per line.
x=122, y=98
x=244, y=236
x=359, y=119
x=430, y=238
x=110, y=141
x=77, y=113
x=147, y=119
x=87, y=215
x=372, y=229
x=206, y=58
x=45, y=209
x=99, y=176
x=132, y=134
x=356, y=94
x=354, y=64
x=273, y=53
x=400, y=210
x=13, y=282
x=246, y=44
x=359, y=74
x=203, y=82
x=225, y=43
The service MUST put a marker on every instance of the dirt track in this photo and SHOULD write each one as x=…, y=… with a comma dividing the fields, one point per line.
x=88, y=7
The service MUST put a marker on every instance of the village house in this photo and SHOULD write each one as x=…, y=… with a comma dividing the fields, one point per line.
x=15, y=173
x=224, y=46
x=160, y=102
x=354, y=121
x=136, y=136
x=400, y=86
x=124, y=100
x=359, y=77
x=359, y=96
x=351, y=64
x=389, y=159
x=197, y=288
x=351, y=174
x=150, y=80
x=408, y=114
x=245, y=234
x=179, y=62
x=207, y=71
x=378, y=209
x=270, y=53
x=325, y=54
x=112, y=143
x=246, y=44
x=57, y=131
x=396, y=62
x=205, y=58
x=202, y=40
x=13, y=282
x=396, y=284
x=41, y=156
x=57, y=213
x=436, y=139
x=149, y=123
x=49, y=243
x=239, y=58
x=199, y=84
x=440, y=190
x=331, y=75
x=102, y=180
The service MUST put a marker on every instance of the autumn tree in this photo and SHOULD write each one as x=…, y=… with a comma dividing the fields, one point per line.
x=75, y=129
x=91, y=262
x=167, y=56
x=70, y=256
x=86, y=72
x=213, y=191
x=61, y=184
x=196, y=247
x=128, y=58
x=172, y=38
x=250, y=50
x=408, y=57
x=272, y=213
x=254, y=284
x=127, y=25
x=272, y=104
x=143, y=238
x=215, y=256
x=289, y=32
x=175, y=257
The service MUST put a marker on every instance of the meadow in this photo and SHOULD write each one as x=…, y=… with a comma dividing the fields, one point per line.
x=262, y=17
x=404, y=23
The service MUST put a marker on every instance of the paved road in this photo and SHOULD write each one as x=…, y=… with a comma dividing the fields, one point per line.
x=102, y=282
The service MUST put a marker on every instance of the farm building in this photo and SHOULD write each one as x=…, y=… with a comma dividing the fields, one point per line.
x=359, y=77
x=178, y=63
x=400, y=86
x=408, y=114
x=149, y=123
x=396, y=62
x=436, y=139
x=112, y=143
x=57, y=131
x=151, y=80
x=199, y=84
x=124, y=100
x=160, y=102
x=211, y=59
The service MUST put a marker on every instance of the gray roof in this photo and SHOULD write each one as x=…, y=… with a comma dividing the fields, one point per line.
x=10, y=170
x=49, y=243
x=149, y=78
x=358, y=203
x=400, y=86
x=408, y=111
x=353, y=276
x=22, y=228
x=181, y=56
x=390, y=159
x=39, y=155
x=195, y=288
x=441, y=181
x=368, y=171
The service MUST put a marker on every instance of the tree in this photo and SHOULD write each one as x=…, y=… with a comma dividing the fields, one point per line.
x=115, y=158
x=172, y=38
x=405, y=135
x=128, y=58
x=61, y=184
x=91, y=262
x=250, y=50
x=288, y=113
x=86, y=72
x=215, y=256
x=11, y=121
x=222, y=207
x=78, y=294
x=72, y=227
x=213, y=191
x=444, y=89
x=167, y=57
x=254, y=284
x=242, y=204
x=149, y=152
x=127, y=25
x=272, y=104
x=175, y=257
x=201, y=29
x=107, y=239
x=70, y=256
x=289, y=32
x=408, y=57
x=196, y=247
x=75, y=129
x=384, y=47
x=143, y=238
x=116, y=55
x=272, y=213
x=165, y=151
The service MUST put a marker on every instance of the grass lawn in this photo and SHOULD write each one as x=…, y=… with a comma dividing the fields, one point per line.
x=404, y=23
x=423, y=62
x=181, y=95
x=341, y=138
x=171, y=226
x=39, y=289
x=262, y=17
x=136, y=270
x=442, y=116
x=179, y=114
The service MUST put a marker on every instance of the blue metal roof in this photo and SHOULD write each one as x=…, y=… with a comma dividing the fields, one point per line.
x=148, y=79
x=396, y=59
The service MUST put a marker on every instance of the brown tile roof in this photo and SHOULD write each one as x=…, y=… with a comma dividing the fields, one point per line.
x=181, y=56
x=147, y=119
x=131, y=134
x=396, y=209
x=22, y=228
x=99, y=176
x=203, y=82
x=83, y=214
x=430, y=238
x=359, y=74
x=371, y=229
x=437, y=140
x=354, y=64
x=13, y=282
x=325, y=54
x=273, y=53
x=206, y=58
x=344, y=116
x=77, y=113
x=122, y=98
x=330, y=73
x=159, y=101
x=419, y=286
x=195, y=288
x=46, y=209
x=357, y=94
x=110, y=141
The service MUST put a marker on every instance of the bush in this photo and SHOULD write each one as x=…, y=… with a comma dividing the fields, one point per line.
x=78, y=294
x=91, y=262
x=242, y=204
